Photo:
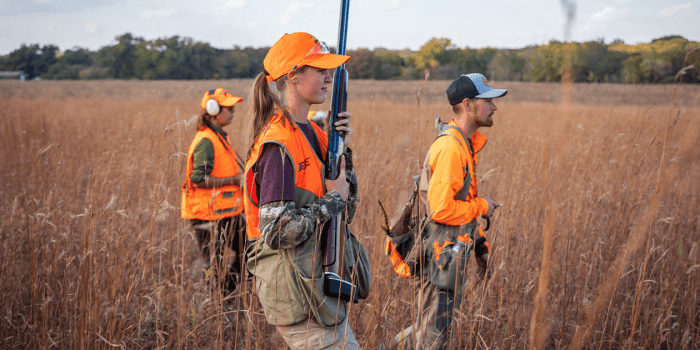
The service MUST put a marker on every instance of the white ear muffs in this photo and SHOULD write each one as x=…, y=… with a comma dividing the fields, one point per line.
x=213, y=107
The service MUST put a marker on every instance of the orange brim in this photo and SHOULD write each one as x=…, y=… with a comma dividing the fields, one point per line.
x=327, y=61
x=230, y=101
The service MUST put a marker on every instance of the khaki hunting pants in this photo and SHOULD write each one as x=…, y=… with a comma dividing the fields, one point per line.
x=308, y=335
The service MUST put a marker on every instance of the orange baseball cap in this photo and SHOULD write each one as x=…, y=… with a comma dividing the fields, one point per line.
x=222, y=97
x=297, y=50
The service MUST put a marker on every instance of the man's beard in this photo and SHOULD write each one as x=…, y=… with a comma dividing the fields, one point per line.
x=486, y=123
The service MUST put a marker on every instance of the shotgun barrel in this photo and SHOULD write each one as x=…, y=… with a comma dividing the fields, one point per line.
x=333, y=283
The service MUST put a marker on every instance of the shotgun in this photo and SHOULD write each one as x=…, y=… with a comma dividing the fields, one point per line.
x=333, y=283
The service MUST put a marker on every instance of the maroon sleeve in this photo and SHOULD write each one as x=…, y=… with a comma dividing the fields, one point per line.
x=276, y=176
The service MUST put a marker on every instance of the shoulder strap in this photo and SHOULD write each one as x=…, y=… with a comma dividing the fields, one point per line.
x=444, y=132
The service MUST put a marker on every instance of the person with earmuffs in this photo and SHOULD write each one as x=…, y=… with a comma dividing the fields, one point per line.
x=211, y=194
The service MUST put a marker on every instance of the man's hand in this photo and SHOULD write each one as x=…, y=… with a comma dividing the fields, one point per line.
x=492, y=206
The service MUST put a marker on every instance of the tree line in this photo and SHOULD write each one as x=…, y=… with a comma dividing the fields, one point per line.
x=664, y=60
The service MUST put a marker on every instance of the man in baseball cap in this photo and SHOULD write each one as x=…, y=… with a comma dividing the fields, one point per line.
x=470, y=86
x=455, y=205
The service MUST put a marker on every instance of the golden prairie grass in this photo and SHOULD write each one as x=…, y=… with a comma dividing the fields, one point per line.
x=94, y=254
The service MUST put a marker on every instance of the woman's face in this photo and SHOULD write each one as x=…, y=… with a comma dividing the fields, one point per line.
x=226, y=115
x=312, y=85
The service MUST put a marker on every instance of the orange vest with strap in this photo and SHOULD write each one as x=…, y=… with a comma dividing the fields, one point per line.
x=467, y=191
x=309, y=170
x=212, y=203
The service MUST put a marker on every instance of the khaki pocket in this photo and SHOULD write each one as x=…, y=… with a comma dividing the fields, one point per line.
x=327, y=311
x=276, y=284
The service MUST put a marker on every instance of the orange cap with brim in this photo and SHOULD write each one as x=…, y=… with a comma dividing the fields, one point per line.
x=222, y=97
x=294, y=51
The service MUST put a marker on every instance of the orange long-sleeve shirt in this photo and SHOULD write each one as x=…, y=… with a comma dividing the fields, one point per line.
x=449, y=162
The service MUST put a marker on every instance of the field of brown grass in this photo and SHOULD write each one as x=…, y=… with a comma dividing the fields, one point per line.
x=596, y=246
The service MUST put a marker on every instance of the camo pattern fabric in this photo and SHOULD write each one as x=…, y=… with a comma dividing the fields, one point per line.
x=353, y=199
x=284, y=226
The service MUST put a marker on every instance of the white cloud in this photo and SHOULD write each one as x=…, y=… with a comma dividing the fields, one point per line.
x=609, y=14
x=148, y=14
x=285, y=18
x=293, y=7
x=673, y=10
x=90, y=26
x=593, y=27
x=252, y=23
x=19, y=7
x=391, y=5
x=235, y=4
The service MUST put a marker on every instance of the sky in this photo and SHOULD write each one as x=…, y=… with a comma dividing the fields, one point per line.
x=392, y=24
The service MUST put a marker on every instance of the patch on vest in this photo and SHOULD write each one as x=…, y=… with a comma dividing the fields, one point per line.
x=304, y=164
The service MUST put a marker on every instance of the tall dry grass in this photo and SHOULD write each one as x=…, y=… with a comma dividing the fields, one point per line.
x=95, y=256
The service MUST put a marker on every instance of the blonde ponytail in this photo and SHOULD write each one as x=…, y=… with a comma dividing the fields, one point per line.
x=265, y=104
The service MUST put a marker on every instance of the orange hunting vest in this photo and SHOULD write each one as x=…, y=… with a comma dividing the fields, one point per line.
x=468, y=191
x=309, y=170
x=212, y=203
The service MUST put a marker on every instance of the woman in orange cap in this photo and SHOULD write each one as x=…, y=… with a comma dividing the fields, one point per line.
x=288, y=200
x=211, y=195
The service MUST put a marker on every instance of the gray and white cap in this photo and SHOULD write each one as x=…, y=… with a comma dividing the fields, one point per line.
x=470, y=86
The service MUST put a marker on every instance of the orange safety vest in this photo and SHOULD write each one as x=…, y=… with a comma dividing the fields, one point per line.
x=309, y=170
x=468, y=190
x=212, y=203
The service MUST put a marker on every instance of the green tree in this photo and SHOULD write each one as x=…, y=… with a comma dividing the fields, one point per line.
x=120, y=58
x=362, y=64
x=597, y=63
x=658, y=61
x=432, y=54
x=78, y=55
x=507, y=65
x=232, y=64
x=255, y=59
x=632, y=69
x=32, y=60
x=547, y=62
x=473, y=60
x=388, y=64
